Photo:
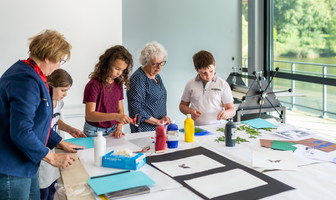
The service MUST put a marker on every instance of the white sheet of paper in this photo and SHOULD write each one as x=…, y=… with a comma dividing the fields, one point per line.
x=181, y=193
x=188, y=165
x=292, y=133
x=312, y=153
x=165, y=182
x=223, y=183
x=274, y=160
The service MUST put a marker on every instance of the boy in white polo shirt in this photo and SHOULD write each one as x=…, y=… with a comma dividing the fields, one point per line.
x=208, y=98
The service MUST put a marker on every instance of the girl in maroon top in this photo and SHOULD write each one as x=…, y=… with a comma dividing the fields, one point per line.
x=103, y=94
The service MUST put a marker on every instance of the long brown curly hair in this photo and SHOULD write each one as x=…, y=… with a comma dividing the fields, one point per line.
x=104, y=66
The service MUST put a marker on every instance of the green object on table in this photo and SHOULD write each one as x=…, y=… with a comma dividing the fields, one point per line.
x=285, y=146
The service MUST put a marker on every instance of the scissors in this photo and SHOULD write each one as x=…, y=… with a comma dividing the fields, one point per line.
x=143, y=150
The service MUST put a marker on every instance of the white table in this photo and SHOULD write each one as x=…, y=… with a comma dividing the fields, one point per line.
x=310, y=181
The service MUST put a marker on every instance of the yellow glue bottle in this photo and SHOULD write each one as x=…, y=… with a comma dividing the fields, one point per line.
x=189, y=129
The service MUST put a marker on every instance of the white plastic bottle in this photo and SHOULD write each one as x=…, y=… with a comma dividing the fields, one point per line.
x=99, y=148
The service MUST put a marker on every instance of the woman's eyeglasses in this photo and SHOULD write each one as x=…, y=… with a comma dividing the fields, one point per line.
x=159, y=64
x=62, y=61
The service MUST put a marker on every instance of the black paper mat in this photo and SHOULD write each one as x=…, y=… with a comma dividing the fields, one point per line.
x=273, y=186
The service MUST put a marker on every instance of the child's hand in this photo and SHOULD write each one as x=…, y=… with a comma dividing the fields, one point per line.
x=76, y=133
x=117, y=134
x=222, y=115
x=196, y=114
x=165, y=120
x=124, y=119
x=69, y=147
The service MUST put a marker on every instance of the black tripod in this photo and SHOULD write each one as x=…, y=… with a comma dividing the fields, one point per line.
x=261, y=96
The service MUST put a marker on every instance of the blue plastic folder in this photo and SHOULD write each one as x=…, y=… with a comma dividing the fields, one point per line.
x=259, y=123
x=85, y=141
x=119, y=182
x=199, y=131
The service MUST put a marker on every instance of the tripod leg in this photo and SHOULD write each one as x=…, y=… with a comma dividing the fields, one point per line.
x=280, y=115
x=269, y=83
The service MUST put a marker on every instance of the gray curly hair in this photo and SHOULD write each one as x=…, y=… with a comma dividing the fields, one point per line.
x=150, y=51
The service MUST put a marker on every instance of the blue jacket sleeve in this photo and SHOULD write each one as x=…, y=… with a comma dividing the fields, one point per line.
x=30, y=115
x=54, y=139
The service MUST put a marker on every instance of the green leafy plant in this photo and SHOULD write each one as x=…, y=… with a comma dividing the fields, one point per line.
x=253, y=133
x=238, y=139
x=268, y=129
x=220, y=139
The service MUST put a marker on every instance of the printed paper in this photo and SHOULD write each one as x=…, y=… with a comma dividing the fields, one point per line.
x=274, y=160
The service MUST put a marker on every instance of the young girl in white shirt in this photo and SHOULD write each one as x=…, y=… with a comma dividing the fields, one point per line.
x=60, y=81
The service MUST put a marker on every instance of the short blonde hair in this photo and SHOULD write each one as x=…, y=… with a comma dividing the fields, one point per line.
x=150, y=51
x=49, y=45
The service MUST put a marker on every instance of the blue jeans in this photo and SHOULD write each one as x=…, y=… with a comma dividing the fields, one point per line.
x=91, y=131
x=49, y=192
x=18, y=188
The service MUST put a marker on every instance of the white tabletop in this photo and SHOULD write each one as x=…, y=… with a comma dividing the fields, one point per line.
x=311, y=181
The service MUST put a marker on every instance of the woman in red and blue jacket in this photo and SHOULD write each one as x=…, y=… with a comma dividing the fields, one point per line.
x=25, y=117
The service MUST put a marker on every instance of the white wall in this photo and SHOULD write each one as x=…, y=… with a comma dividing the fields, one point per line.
x=90, y=26
x=184, y=27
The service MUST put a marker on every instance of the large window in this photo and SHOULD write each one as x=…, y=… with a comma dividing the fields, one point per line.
x=304, y=47
x=244, y=32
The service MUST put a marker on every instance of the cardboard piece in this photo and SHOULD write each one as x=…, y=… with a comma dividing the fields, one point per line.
x=268, y=143
x=322, y=145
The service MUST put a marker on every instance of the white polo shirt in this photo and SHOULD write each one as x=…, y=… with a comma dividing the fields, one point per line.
x=209, y=98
